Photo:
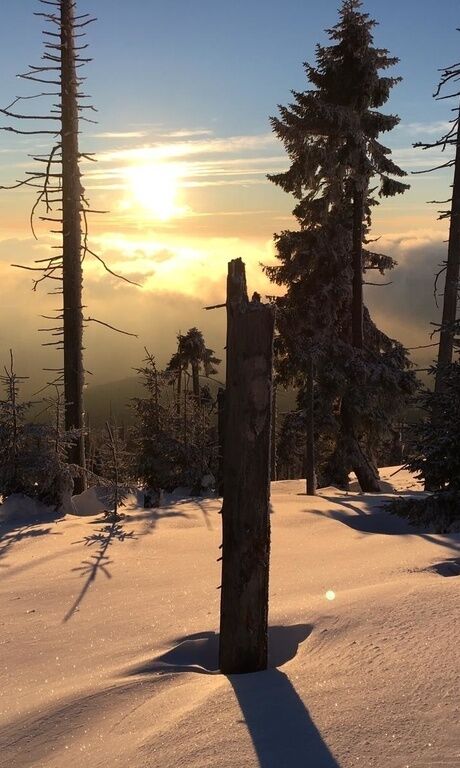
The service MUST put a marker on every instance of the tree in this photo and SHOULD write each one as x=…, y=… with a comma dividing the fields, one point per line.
x=451, y=138
x=158, y=452
x=434, y=456
x=192, y=353
x=245, y=510
x=331, y=132
x=32, y=456
x=61, y=192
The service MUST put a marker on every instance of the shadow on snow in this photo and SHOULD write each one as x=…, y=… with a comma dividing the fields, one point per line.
x=280, y=726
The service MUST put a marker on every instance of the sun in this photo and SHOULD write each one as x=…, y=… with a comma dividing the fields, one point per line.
x=155, y=188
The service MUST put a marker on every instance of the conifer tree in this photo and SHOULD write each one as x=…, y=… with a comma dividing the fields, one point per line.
x=192, y=353
x=337, y=163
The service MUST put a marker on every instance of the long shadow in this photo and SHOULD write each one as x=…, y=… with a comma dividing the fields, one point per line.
x=99, y=562
x=380, y=520
x=151, y=518
x=365, y=521
x=12, y=533
x=282, y=731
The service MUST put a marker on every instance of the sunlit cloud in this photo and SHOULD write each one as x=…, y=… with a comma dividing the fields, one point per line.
x=185, y=134
x=119, y=135
x=164, y=150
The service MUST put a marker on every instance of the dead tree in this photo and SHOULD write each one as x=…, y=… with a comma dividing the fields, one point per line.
x=245, y=512
x=451, y=267
x=72, y=274
x=60, y=192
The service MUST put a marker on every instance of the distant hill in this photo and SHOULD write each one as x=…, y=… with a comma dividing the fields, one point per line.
x=112, y=400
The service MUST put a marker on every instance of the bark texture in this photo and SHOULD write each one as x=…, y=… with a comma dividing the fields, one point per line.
x=72, y=241
x=245, y=512
x=449, y=312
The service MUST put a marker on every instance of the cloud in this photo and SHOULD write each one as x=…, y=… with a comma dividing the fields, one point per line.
x=438, y=128
x=415, y=158
x=161, y=151
x=187, y=134
x=406, y=308
x=119, y=135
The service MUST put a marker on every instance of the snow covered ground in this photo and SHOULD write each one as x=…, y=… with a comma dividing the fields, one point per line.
x=109, y=652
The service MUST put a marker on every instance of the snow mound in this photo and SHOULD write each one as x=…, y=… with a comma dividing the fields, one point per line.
x=19, y=508
x=109, y=640
x=200, y=652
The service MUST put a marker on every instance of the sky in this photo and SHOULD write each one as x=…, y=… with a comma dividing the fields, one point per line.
x=184, y=92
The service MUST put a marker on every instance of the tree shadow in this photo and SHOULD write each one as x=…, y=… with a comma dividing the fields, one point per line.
x=99, y=562
x=375, y=519
x=13, y=533
x=278, y=721
x=281, y=728
x=378, y=519
x=151, y=517
x=446, y=568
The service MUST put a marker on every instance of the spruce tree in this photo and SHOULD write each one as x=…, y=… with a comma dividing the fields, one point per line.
x=192, y=353
x=337, y=165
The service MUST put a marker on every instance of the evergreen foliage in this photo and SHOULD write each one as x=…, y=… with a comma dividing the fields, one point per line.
x=435, y=443
x=434, y=456
x=192, y=353
x=173, y=449
x=331, y=133
x=32, y=456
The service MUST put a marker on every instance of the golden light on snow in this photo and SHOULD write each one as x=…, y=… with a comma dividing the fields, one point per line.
x=155, y=188
x=330, y=595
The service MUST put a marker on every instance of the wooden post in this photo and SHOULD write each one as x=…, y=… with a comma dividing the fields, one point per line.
x=245, y=512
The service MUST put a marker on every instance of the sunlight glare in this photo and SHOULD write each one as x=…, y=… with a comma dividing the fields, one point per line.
x=155, y=187
x=330, y=595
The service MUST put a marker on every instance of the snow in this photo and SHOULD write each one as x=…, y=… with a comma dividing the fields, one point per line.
x=109, y=645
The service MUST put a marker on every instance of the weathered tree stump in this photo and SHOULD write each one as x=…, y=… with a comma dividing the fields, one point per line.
x=245, y=512
x=221, y=439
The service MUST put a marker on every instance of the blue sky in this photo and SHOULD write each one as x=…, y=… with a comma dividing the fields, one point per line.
x=184, y=92
x=229, y=63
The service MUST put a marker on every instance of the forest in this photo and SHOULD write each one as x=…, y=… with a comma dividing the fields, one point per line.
x=244, y=564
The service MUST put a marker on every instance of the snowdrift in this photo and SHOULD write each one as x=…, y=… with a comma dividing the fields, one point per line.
x=109, y=640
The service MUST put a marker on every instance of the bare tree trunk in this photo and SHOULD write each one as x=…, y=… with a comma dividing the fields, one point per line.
x=310, y=473
x=72, y=267
x=273, y=455
x=245, y=513
x=450, y=303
